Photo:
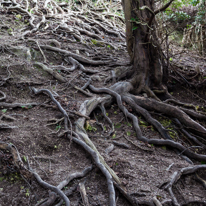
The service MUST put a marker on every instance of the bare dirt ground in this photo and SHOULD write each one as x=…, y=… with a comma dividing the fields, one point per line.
x=34, y=124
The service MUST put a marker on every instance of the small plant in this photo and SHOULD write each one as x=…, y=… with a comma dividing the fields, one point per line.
x=58, y=127
x=27, y=193
x=24, y=158
x=10, y=31
x=134, y=28
x=4, y=110
x=90, y=128
x=94, y=41
x=27, y=107
x=118, y=125
x=128, y=124
x=128, y=133
x=18, y=16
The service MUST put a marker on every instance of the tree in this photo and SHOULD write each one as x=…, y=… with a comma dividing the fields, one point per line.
x=143, y=47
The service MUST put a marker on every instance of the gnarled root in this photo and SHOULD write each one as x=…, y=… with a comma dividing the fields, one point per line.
x=151, y=104
x=176, y=176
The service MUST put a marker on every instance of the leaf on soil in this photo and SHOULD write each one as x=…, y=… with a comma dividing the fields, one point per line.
x=118, y=125
x=128, y=133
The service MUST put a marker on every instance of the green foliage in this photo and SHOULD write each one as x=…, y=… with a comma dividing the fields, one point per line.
x=26, y=107
x=134, y=28
x=58, y=127
x=4, y=110
x=18, y=16
x=24, y=158
x=176, y=16
x=175, y=13
x=134, y=21
x=27, y=193
x=128, y=124
x=194, y=2
x=90, y=128
x=118, y=125
x=128, y=133
x=200, y=17
x=10, y=31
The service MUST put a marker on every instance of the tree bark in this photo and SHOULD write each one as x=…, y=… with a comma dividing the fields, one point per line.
x=143, y=47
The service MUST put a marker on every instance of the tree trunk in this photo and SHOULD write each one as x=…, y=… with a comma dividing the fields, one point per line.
x=143, y=47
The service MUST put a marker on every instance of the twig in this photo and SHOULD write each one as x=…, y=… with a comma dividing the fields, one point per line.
x=83, y=194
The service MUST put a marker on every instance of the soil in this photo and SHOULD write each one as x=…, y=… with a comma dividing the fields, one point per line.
x=143, y=169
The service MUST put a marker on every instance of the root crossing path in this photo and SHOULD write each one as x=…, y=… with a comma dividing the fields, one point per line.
x=72, y=129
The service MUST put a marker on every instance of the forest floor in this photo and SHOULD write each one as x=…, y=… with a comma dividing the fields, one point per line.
x=35, y=123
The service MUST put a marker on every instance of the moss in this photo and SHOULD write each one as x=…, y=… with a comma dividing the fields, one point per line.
x=166, y=123
x=97, y=43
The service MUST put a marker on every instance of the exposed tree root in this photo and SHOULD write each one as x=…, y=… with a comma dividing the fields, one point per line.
x=176, y=176
x=75, y=56
x=102, y=168
x=76, y=64
x=51, y=187
x=6, y=126
x=4, y=96
x=53, y=196
x=66, y=117
x=98, y=26
x=83, y=194
x=94, y=153
x=16, y=105
x=151, y=104
x=51, y=71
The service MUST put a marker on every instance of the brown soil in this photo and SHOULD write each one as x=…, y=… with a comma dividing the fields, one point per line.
x=143, y=169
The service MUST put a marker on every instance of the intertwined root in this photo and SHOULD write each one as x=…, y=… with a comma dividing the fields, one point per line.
x=97, y=34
